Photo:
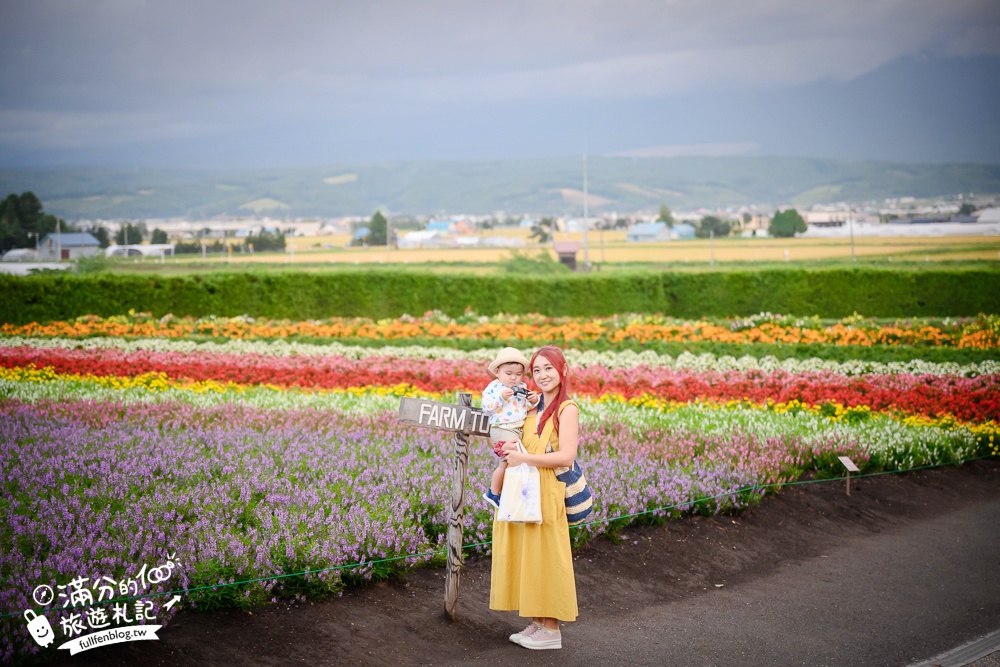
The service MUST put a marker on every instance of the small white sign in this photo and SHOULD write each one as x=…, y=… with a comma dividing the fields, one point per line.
x=848, y=463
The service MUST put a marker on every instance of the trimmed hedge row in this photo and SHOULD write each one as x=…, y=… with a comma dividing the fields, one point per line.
x=379, y=294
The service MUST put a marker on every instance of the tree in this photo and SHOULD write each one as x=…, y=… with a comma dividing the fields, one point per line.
x=542, y=230
x=714, y=224
x=967, y=209
x=129, y=234
x=100, y=233
x=266, y=241
x=666, y=216
x=159, y=236
x=22, y=221
x=785, y=224
x=377, y=226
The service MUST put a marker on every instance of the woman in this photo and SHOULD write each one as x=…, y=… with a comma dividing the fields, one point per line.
x=533, y=563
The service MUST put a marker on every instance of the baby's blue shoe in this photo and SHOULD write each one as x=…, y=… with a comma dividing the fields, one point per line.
x=492, y=499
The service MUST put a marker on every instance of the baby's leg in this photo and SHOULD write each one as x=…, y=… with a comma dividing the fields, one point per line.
x=496, y=483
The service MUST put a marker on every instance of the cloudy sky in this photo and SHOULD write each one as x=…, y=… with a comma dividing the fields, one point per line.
x=304, y=82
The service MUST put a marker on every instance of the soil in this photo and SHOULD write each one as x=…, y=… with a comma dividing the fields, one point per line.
x=649, y=571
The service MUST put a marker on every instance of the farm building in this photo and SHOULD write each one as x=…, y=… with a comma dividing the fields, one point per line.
x=67, y=246
x=442, y=226
x=140, y=250
x=421, y=239
x=682, y=232
x=648, y=232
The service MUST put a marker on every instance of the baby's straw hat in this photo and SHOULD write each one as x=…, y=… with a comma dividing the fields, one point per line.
x=507, y=355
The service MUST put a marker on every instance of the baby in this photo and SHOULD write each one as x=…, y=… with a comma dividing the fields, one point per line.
x=506, y=400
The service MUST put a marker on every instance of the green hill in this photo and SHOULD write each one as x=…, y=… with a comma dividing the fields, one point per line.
x=514, y=186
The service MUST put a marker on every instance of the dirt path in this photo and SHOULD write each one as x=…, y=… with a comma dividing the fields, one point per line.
x=906, y=568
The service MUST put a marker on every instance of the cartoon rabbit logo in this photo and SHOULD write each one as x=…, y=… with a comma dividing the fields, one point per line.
x=39, y=628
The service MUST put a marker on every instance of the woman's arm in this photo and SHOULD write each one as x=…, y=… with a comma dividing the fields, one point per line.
x=569, y=433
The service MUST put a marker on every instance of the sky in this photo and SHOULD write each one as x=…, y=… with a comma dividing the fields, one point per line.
x=258, y=83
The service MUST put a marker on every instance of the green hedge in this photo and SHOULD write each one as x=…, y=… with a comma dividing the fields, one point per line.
x=378, y=294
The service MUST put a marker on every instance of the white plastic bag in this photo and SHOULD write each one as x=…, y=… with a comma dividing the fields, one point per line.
x=521, y=496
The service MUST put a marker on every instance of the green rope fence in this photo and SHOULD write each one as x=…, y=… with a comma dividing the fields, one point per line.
x=433, y=552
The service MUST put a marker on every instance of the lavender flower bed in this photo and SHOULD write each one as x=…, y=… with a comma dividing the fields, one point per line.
x=93, y=488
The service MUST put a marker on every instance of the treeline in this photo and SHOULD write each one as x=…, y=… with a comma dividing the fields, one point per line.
x=380, y=294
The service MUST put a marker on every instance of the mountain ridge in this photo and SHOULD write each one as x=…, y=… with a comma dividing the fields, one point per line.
x=541, y=186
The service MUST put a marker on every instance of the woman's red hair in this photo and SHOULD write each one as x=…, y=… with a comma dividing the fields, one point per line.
x=558, y=361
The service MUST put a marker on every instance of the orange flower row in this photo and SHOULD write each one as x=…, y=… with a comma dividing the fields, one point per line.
x=640, y=329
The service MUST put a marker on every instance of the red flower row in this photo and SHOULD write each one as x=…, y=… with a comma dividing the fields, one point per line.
x=969, y=399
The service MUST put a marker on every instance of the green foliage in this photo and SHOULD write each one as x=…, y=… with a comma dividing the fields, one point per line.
x=192, y=248
x=158, y=236
x=541, y=264
x=93, y=264
x=714, y=224
x=542, y=230
x=130, y=234
x=265, y=241
x=100, y=233
x=300, y=295
x=378, y=226
x=786, y=224
x=666, y=216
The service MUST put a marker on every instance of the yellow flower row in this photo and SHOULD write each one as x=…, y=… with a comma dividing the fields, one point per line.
x=161, y=382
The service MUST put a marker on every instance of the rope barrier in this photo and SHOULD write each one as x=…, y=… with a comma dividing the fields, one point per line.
x=433, y=552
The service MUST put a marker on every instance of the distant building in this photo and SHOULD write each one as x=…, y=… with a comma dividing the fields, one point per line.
x=682, y=232
x=140, y=250
x=67, y=246
x=649, y=232
x=422, y=239
x=825, y=218
x=20, y=255
x=442, y=226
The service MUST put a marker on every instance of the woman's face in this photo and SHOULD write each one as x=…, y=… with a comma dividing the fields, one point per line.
x=545, y=375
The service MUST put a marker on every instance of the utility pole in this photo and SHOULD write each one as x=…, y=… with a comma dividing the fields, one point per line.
x=850, y=224
x=586, y=220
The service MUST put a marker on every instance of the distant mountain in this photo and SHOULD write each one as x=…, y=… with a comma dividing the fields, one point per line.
x=549, y=186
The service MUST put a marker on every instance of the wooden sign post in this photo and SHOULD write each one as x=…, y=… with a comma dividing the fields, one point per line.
x=849, y=464
x=464, y=420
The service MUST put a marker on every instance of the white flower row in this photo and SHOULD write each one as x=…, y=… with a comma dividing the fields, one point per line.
x=888, y=438
x=579, y=358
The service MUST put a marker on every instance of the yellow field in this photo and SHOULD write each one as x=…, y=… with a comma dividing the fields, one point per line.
x=616, y=250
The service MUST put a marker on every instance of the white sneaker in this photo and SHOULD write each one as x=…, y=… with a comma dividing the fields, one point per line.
x=541, y=639
x=516, y=637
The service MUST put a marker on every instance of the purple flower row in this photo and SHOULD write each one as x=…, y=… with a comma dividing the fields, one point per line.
x=236, y=493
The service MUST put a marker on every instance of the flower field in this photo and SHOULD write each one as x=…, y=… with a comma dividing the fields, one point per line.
x=256, y=449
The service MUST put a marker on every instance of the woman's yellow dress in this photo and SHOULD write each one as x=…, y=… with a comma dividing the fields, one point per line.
x=533, y=563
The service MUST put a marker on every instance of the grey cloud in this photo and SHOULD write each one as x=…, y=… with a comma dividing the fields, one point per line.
x=78, y=73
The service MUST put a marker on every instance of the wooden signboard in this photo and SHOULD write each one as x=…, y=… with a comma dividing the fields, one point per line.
x=464, y=420
x=443, y=416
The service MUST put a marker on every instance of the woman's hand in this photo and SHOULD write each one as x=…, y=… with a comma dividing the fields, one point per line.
x=512, y=454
